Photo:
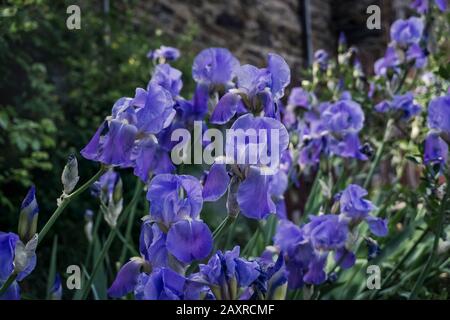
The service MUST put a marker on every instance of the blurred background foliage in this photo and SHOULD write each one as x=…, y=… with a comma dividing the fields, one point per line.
x=56, y=86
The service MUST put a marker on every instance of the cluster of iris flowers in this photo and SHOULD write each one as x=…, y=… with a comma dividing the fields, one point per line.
x=179, y=258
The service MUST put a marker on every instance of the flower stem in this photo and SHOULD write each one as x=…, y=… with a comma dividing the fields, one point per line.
x=67, y=199
x=440, y=227
x=112, y=234
x=223, y=226
x=379, y=154
x=7, y=283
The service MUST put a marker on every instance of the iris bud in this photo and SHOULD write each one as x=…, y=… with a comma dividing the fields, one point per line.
x=28, y=216
x=70, y=176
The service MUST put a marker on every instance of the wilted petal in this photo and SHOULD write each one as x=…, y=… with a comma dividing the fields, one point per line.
x=189, y=240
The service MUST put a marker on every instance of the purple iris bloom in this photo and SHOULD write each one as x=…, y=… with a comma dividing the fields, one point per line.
x=402, y=104
x=149, y=157
x=406, y=106
x=327, y=232
x=104, y=187
x=216, y=182
x=272, y=281
x=321, y=58
x=344, y=116
x=169, y=78
x=436, y=150
x=353, y=204
x=114, y=147
x=152, y=244
x=422, y=6
x=226, y=272
x=439, y=115
x=260, y=89
x=269, y=137
x=254, y=179
x=299, y=98
x=164, y=54
x=299, y=254
x=254, y=198
x=311, y=151
x=347, y=146
x=407, y=32
x=173, y=198
x=416, y=54
x=356, y=209
x=189, y=240
x=148, y=112
x=161, y=284
x=214, y=66
x=157, y=111
x=389, y=61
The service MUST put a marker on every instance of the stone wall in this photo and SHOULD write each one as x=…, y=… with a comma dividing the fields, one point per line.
x=252, y=28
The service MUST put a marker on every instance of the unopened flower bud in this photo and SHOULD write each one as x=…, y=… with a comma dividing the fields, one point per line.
x=56, y=290
x=28, y=216
x=70, y=176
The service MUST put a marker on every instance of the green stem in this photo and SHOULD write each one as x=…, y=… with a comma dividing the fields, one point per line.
x=127, y=235
x=222, y=227
x=379, y=154
x=110, y=239
x=440, y=228
x=67, y=199
x=8, y=282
